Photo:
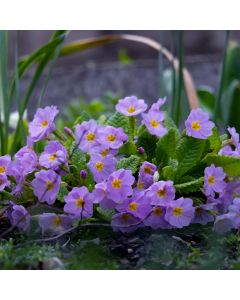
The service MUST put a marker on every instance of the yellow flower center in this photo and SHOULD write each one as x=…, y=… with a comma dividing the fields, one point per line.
x=79, y=203
x=49, y=185
x=116, y=183
x=154, y=123
x=2, y=169
x=111, y=137
x=147, y=170
x=90, y=137
x=196, y=125
x=198, y=210
x=44, y=123
x=161, y=193
x=105, y=152
x=133, y=206
x=158, y=211
x=177, y=211
x=99, y=165
x=131, y=109
x=141, y=185
x=211, y=180
x=57, y=221
x=1, y=181
x=53, y=157
x=125, y=217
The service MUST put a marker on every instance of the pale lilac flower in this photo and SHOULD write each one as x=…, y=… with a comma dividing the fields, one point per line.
x=137, y=205
x=18, y=172
x=5, y=164
x=125, y=222
x=180, y=212
x=43, y=123
x=161, y=193
x=19, y=216
x=156, y=106
x=157, y=218
x=234, y=210
x=153, y=120
x=112, y=137
x=223, y=223
x=119, y=185
x=46, y=186
x=102, y=167
x=131, y=106
x=54, y=223
x=54, y=157
x=99, y=195
x=228, y=150
x=79, y=203
x=3, y=182
x=203, y=213
x=198, y=124
x=87, y=135
x=27, y=158
x=103, y=150
x=214, y=180
x=234, y=136
x=146, y=173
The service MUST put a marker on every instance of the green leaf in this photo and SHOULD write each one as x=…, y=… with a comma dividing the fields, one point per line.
x=206, y=98
x=62, y=192
x=131, y=163
x=84, y=116
x=148, y=142
x=169, y=124
x=190, y=186
x=166, y=147
x=129, y=148
x=168, y=173
x=215, y=141
x=230, y=165
x=189, y=153
x=119, y=120
x=104, y=214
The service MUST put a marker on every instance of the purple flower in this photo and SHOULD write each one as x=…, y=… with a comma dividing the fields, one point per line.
x=46, y=186
x=156, y=106
x=157, y=218
x=87, y=135
x=83, y=174
x=43, y=123
x=54, y=223
x=19, y=216
x=79, y=203
x=18, y=172
x=119, y=185
x=131, y=106
x=27, y=158
x=153, y=120
x=180, y=212
x=3, y=182
x=125, y=222
x=5, y=164
x=112, y=137
x=146, y=173
x=161, y=193
x=227, y=150
x=198, y=124
x=54, y=157
x=141, y=150
x=203, y=215
x=137, y=205
x=99, y=195
x=223, y=223
x=101, y=167
x=103, y=150
x=234, y=136
x=214, y=180
x=234, y=211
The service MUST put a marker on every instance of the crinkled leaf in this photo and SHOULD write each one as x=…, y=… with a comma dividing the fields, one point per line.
x=118, y=120
x=131, y=163
x=215, y=141
x=190, y=186
x=148, y=142
x=166, y=147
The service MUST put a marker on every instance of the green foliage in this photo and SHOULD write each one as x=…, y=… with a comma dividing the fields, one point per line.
x=131, y=163
x=129, y=148
x=118, y=120
x=206, y=99
x=231, y=165
x=62, y=192
x=166, y=147
x=189, y=186
x=148, y=142
x=215, y=141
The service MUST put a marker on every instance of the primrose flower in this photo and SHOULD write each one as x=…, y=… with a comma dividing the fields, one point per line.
x=46, y=186
x=153, y=120
x=156, y=106
x=99, y=195
x=54, y=223
x=146, y=173
x=101, y=167
x=180, y=212
x=125, y=222
x=214, y=180
x=203, y=215
x=157, y=218
x=87, y=135
x=234, y=210
x=137, y=205
x=227, y=150
x=112, y=137
x=119, y=185
x=54, y=157
x=27, y=158
x=3, y=182
x=18, y=172
x=5, y=164
x=19, y=216
x=223, y=223
x=234, y=136
x=43, y=123
x=131, y=106
x=198, y=124
x=161, y=193
x=79, y=203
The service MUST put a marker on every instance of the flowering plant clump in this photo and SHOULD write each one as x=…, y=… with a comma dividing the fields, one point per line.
x=127, y=174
